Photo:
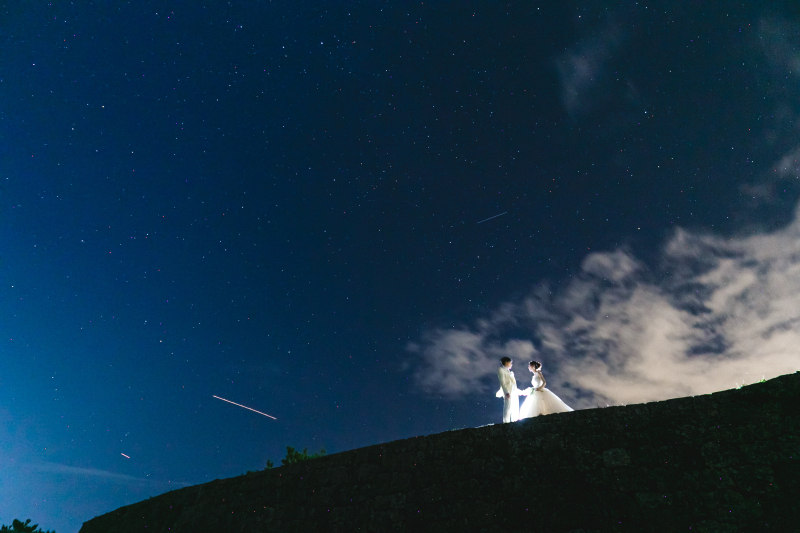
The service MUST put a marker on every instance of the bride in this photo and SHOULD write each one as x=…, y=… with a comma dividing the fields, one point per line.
x=540, y=401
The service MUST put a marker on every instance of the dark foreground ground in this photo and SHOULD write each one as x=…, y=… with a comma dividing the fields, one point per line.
x=723, y=462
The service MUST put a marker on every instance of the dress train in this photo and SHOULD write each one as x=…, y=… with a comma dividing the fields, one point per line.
x=541, y=402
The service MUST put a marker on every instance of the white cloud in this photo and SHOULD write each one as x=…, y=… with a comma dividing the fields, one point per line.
x=457, y=361
x=717, y=312
x=55, y=468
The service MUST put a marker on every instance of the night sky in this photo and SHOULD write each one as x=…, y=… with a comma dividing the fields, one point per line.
x=287, y=204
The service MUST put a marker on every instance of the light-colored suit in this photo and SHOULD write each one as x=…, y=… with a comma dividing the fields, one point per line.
x=508, y=385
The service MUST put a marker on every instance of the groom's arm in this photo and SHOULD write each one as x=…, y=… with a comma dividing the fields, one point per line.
x=505, y=382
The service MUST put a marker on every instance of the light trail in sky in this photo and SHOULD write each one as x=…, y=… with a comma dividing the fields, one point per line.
x=240, y=405
x=490, y=218
x=123, y=455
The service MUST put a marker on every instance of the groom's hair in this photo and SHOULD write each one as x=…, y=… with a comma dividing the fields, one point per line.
x=504, y=360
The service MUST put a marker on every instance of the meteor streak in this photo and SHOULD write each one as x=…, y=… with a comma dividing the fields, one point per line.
x=240, y=405
x=123, y=455
x=490, y=218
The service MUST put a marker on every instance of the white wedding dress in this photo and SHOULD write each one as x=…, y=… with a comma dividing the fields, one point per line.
x=541, y=402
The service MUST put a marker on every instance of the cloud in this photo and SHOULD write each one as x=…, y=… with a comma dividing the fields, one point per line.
x=781, y=44
x=716, y=312
x=55, y=468
x=713, y=312
x=789, y=165
x=581, y=68
x=457, y=361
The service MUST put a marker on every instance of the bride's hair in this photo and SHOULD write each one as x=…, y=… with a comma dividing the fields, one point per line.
x=535, y=364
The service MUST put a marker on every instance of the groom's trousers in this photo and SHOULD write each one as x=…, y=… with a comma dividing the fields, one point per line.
x=510, y=408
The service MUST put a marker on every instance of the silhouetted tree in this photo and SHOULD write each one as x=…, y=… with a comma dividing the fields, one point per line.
x=19, y=527
x=293, y=456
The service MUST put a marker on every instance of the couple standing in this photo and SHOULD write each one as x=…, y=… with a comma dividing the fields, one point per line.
x=539, y=401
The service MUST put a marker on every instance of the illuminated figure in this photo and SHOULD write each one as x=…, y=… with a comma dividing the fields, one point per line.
x=540, y=401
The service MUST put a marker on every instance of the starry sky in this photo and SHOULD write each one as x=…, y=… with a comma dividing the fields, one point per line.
x=288, y=205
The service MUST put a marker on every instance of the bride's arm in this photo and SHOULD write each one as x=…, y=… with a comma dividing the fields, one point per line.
x=544, y=381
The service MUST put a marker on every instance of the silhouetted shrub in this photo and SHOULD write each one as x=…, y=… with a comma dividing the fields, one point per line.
x=19, y=527
x=294, y=457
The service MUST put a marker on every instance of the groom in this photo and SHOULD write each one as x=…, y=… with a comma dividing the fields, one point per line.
x=508, y=390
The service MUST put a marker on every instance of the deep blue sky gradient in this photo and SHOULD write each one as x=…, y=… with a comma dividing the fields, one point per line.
x=268, y=201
